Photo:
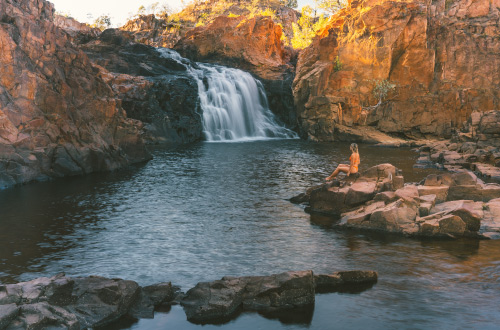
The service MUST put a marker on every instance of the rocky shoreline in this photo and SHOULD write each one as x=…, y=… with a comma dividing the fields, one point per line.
x=89, y=302
x=451, y=205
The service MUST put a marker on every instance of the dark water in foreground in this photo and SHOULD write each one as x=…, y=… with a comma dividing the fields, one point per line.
x=199, y=212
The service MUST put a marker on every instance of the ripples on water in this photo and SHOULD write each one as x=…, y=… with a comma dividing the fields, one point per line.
x=199, y=212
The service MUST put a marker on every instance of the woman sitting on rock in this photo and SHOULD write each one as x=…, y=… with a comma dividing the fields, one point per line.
x=349, y=169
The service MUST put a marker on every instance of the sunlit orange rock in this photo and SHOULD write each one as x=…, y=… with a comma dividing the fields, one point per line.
x=57, y=115
x=251, y=44
x=443, y=58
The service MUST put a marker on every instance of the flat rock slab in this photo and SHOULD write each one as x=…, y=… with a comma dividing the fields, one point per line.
x=218, y=300
x=356, y=280
x=214, y=302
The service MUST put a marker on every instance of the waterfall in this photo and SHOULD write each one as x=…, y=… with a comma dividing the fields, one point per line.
x=234, y=104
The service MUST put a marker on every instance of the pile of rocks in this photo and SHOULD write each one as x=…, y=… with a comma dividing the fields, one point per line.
x=89, y=302
x=478, y=149
x=77, y=303
x=445, y=205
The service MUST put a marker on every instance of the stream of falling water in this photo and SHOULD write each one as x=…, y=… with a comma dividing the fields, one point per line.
x=234, y=104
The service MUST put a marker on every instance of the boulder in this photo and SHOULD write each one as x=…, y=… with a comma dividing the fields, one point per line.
x=218, y=300
x=440, y=192
x=336, y=199
x=42, y=315
x=428, y=209
x=100, y=301
x=152, y=296
x=342, y=280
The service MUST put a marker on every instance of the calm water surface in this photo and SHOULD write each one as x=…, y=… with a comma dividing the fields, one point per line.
x=203, y=211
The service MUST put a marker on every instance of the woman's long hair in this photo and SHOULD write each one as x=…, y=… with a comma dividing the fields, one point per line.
x=354, y=147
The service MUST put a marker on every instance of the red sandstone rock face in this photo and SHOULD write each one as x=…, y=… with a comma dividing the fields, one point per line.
x=442, y=57
x=57, y=116
x=250, y=44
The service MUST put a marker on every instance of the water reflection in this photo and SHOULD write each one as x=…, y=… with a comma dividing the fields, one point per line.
x=200, y=212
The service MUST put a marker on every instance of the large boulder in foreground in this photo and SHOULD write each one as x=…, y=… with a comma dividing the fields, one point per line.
x=77, y=303
x=213, y=302
x=57, y=115
x=62, y=302
x=443, y=205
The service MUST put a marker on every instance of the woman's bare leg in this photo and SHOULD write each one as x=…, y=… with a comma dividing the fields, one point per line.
x=340, y=168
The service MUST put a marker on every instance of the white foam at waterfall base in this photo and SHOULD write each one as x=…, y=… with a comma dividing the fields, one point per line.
x=234, y=104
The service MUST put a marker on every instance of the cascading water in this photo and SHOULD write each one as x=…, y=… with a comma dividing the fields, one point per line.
x=234, y=104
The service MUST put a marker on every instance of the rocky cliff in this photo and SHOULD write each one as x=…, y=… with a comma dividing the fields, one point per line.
x=157, y=32
x=253, y=45
x=416, y=68
x=156, y=90
x=57, y=115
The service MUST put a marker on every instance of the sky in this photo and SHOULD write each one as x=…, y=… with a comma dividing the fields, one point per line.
x=118, y=10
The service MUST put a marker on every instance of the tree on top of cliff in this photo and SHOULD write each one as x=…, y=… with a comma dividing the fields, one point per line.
x=331, y=6
x=102, y=22
x=306, y=28
x=289, y=3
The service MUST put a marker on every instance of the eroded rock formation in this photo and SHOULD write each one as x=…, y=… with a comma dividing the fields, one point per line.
x=253, y=45
x=57, y=115
x=445, y=205
x=156, y=90
x=442, y=58
x=476, y=149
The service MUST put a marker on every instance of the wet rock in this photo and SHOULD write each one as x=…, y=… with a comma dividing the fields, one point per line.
x=7, y=314
x=154, y=89
x=348, y=280
x=151, y=297
x=100, y=301
x=218, y=300
x=253, y=45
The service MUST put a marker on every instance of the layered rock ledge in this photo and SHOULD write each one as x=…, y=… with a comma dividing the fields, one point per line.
x=442, y=205
x=89, y=302
x=476, y=147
